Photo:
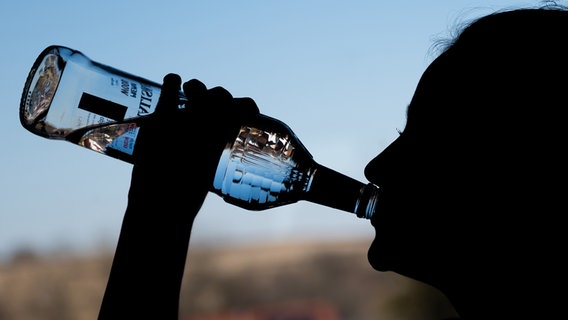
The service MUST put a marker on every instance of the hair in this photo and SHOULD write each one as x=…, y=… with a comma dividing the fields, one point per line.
x=503, y=70
x=443, y=43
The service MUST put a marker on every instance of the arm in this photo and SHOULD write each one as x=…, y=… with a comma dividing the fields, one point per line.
x=149, y=261
x=178, y=154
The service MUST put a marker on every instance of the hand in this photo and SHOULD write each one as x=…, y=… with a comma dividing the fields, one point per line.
x=186, y=143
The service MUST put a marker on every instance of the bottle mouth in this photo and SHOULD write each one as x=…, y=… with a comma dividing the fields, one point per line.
x=39, y=89
x=367, y=202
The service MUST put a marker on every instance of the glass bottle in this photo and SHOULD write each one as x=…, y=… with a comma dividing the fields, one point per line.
x=69, y=97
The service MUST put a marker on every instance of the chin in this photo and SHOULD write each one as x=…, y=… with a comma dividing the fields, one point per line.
x=373, y=257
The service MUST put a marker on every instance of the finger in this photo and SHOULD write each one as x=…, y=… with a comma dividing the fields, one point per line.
x=194, y=89
x=169, y=95
x=171, y=82
x=220, y=95
x=245, y=107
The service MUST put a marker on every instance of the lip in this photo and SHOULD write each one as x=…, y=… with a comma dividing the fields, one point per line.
x=373, y=219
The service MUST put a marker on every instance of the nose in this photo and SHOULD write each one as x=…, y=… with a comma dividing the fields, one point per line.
x=384, y=164
x=372, y=170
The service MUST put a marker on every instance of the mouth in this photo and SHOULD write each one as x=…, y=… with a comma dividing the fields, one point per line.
x=374, y=219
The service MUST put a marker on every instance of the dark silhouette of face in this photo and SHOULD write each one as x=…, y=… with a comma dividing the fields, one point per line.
x=420, y=176
x=462, y=184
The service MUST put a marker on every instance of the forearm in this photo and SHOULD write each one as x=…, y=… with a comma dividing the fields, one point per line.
x=149, y=261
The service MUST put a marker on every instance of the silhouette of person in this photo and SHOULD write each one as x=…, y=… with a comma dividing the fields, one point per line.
x=468, y=202
x=469, y=199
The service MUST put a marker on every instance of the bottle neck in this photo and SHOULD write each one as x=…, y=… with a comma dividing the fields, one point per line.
x=336, y=190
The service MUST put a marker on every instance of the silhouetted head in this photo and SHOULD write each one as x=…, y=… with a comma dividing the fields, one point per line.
x=469, y=190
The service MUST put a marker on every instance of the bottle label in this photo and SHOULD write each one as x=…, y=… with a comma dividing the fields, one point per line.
x=94, y=95
x=99, y=96
x=124, y=142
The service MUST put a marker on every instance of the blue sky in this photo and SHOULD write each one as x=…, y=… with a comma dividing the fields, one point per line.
x=339, y=73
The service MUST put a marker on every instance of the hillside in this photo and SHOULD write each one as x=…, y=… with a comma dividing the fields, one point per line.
x=308, y=281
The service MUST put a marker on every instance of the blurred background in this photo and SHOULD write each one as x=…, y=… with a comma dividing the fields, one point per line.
x=339, y=73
